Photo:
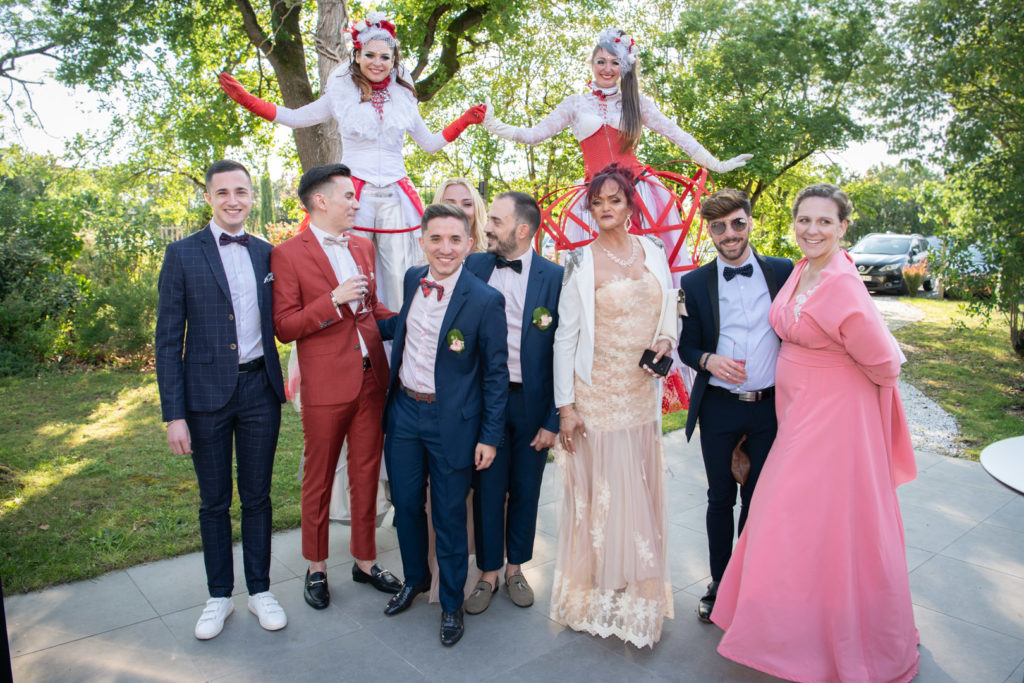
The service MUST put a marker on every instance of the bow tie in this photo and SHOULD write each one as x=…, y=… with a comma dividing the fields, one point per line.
x=502, y=262
x=730, y=272
x=427, y=285
x=340, y=240
x=231, y=239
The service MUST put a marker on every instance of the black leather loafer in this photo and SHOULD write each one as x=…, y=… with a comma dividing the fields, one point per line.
x=316, y=593
x=381, y=579
x=402, y=600
x=707, y=603
x=451, y=627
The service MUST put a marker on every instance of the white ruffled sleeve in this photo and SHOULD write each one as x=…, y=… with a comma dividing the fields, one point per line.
x=311, y=114
x=652, y=117
x=552, y=124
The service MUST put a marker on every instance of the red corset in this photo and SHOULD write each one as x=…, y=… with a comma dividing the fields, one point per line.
x=602, y=148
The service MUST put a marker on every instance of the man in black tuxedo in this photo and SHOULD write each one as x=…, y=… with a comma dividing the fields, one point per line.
x=531, y=286
x=220, y=383
x=729, y=341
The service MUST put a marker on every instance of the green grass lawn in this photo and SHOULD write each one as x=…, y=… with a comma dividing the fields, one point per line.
x=968, y=368
x=88, y=483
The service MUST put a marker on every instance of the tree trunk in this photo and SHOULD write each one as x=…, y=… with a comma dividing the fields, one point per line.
x=331, y=50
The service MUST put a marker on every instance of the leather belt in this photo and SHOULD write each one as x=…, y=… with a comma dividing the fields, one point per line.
x=515, y=386
x=746, y=396
x=251, y=366
x=366, y=363
x=417, y=396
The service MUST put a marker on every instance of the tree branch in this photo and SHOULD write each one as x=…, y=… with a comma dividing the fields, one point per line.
x=448, y=63
x=428, y=39
x=252, y=28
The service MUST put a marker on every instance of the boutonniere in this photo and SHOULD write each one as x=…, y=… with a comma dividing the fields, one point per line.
x=268, y=278
x=456, y=342
x=542, y=318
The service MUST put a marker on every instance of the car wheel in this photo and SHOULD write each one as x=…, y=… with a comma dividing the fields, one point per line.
x=928, y=285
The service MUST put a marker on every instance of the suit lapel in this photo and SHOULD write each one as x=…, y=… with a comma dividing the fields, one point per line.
x=459, y=298
x=712, y=283
x=316, y=252
x=534, y=285
x=769, y=275
x=212, y=254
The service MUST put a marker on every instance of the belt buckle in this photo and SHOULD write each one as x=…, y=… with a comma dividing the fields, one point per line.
x=748, y=396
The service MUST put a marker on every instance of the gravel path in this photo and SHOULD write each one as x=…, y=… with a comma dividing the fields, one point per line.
x=932, y=429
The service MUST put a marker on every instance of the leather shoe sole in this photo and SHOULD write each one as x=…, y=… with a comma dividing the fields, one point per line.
x=315, y=592
x=452, y=627
x=707, y=603
x=402, y=600
x=381, y=579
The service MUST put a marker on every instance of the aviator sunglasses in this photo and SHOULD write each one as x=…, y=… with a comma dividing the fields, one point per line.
x=738, y=225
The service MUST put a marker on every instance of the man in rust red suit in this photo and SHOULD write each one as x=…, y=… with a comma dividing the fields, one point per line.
x=325, y=299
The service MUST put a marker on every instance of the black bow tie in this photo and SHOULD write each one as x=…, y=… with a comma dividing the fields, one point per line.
x=745, y=271
x=231, y=239
x=502, y=262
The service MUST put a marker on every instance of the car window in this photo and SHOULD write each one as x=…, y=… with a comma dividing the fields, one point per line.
x=882, y=244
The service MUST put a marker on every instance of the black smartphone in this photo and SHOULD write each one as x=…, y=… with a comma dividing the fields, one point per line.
x=661, y=367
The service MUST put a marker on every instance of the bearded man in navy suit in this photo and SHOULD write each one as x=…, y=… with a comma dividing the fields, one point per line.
x=220, y=385
x=531, y=286
x=445, y=409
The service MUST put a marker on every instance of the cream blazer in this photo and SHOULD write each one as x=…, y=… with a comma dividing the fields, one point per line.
x=574, y=337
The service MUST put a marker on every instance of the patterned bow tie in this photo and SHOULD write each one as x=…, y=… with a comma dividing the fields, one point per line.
x=340, y=240
x=502, y=262
x=427, y=285
x=730, y=272
x=231, y=239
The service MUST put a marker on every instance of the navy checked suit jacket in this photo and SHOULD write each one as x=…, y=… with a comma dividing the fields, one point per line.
x=536, y=348
x=472, y=384
x=701, y=324
x=196, y=341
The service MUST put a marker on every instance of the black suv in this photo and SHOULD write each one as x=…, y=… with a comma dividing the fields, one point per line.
x=880, y=259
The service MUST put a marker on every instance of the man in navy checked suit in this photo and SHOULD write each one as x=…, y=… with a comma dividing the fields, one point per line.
x=531, y=286
x=220, y=385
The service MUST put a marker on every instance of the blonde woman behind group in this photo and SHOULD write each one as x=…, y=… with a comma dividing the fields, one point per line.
x=461, y=193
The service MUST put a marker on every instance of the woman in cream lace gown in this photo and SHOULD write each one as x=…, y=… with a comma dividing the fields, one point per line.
x=611, y=575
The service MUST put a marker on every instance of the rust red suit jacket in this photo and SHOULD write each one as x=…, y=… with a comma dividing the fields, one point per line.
x=330, y=360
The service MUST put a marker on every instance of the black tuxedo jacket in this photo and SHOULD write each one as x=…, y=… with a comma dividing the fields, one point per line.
x=701, y=324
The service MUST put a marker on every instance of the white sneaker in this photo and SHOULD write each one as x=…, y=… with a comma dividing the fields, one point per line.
x=264, y=605
x=211, y=622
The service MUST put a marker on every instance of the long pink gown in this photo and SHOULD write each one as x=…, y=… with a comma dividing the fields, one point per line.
x=817, y=588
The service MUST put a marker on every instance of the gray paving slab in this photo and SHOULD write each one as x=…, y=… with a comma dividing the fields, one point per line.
x=1010, y=516
x=960, y=471
x=1018, y=675
x=76, y=610
x=991, y=546
x=938, y=493
x=930, y=529
x=916, y=557
x=956, y=651
x=974, y=594
x=688, y=555
x=581, y=659
x=143, y=651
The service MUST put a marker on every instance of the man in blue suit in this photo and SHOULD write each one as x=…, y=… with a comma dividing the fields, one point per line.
x=531, y=285
x=729, y=341
x=445, y=409
x=220, y=382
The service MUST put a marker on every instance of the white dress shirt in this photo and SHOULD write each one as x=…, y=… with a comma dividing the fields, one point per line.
x=513, y=286
x=422, y=332
x=744, y=332
x=344, y=267
x=244, y=299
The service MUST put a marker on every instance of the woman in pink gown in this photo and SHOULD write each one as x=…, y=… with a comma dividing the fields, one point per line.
x=817, y=588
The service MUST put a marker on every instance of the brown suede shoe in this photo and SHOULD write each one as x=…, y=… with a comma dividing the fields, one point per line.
x=480, y=598
x=519, y=590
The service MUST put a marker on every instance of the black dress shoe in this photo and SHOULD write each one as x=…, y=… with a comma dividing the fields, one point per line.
x=316, y=593
x=451, y=627
x=381, y=579
x=707, y=603
x=401, y=600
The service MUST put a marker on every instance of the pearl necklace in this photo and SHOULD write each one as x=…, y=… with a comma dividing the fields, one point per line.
x=625, y=263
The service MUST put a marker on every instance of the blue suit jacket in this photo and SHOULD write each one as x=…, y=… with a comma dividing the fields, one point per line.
x=536, y=354
x=196, y=341
x=471, y=385
x=701, y=324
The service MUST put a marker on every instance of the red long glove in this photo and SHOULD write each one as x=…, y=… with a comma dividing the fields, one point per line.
x=473, y=116
x=235, y=91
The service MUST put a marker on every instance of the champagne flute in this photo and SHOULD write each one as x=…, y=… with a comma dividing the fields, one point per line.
x=362, y=305
x=739, y=355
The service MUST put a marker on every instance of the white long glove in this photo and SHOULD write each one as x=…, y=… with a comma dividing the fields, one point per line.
x=499, y=128
x=707, y=160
